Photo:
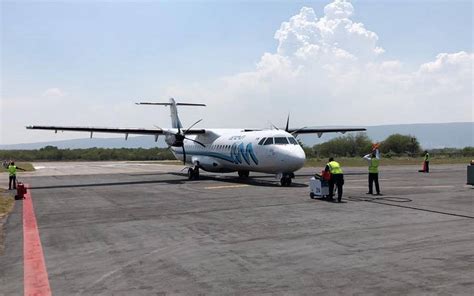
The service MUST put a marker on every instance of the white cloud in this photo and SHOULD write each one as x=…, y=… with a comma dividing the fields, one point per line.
x=331, y=70
x=334, y=35
x=53, y=93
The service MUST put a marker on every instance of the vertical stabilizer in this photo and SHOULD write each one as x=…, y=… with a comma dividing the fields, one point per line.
x=175, y=122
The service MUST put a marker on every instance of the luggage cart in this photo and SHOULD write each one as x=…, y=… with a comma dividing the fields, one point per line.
x=318, y=187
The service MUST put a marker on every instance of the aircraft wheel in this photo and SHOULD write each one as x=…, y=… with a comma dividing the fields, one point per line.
x=311, y=195
x=243, y=174
x=285, y=181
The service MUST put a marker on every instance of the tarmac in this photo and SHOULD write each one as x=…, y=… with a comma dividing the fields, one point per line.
x=121, y=228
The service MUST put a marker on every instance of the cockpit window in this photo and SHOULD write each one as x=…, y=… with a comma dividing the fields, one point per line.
x=261, y=141
x=268, y=141
x=281, y=141
x=293, y=141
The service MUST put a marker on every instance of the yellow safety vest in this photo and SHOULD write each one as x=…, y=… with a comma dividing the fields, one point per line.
x=12, y=170
x=335, y=167
x=374, y=165
x=427, y=157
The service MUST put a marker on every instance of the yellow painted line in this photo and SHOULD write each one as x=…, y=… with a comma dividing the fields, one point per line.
x=226, y=186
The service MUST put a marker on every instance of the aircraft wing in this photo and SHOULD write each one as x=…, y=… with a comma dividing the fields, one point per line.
x=126, y=131
x=321, y=131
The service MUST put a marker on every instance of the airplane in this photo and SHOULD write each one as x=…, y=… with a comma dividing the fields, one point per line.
x=273, y=151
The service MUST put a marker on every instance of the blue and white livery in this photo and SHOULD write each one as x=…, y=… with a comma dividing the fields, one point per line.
x=273, y=151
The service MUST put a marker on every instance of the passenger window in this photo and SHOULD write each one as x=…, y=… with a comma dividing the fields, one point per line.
x=261, y=141
x=293, y=141
x=281, y=141
x=268, y=141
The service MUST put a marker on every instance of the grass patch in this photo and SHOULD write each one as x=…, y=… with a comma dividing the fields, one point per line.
x=24, y=165
x=359, y=162
x=6, y=202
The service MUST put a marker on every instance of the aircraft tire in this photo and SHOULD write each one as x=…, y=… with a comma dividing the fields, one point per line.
x=285, y=181
x=244, y=174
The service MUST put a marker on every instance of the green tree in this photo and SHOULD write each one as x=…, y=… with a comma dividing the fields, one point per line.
x=468, y=151
x=401, y=144
x=349, y=145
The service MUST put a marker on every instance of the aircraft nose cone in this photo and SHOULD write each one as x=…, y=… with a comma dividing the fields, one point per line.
x=299, y=158
x=293, y=159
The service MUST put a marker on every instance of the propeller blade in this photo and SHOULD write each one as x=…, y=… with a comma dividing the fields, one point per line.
x=287, y=123
x=294, y=132
x=274, y=126
x=184, y=156
x=184, y=133
x=195, y=141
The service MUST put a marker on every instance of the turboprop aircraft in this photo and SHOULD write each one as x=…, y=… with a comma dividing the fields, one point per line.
x=273, y=151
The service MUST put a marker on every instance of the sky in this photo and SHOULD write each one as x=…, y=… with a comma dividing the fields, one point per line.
x=357, y=63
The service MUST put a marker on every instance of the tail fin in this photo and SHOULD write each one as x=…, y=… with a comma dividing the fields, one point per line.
x=175, y=122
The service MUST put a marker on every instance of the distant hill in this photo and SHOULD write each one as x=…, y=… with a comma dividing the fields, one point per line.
x=430, y=135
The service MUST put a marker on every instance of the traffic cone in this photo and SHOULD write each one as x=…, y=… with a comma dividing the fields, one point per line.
x=424, y=168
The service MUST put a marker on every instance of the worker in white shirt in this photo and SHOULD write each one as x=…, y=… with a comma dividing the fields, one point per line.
x=373, y=161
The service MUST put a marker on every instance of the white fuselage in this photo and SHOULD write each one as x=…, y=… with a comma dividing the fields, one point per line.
x=228, y=150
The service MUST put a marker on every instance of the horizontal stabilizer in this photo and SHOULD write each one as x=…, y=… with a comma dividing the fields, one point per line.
x=169, y=104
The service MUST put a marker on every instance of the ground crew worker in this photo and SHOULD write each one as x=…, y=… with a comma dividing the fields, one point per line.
x=373, y=161
x=12, y=175
x=337, y=178
x=427, y=162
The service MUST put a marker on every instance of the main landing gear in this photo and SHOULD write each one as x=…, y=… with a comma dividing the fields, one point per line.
x=285, y=179
x=243, y=174
x=193, y=173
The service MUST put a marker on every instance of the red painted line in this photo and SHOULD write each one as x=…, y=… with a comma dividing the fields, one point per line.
x=35, y=275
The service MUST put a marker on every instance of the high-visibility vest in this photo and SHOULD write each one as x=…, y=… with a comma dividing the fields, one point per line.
x=427, y=157
x=12, y=170
x=374, y=165
x=335, y=167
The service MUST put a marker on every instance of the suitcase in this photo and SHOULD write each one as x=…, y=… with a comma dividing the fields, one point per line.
x=20, y=191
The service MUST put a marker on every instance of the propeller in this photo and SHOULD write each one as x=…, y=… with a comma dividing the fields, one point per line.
x=294, y=132
x=287, y=128
x=274, y=126
x=181, y=136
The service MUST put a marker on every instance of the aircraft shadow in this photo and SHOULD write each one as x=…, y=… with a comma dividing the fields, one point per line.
x=253, y=181
x=176, y=182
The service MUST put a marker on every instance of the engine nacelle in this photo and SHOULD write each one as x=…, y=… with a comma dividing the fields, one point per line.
x=174, y=140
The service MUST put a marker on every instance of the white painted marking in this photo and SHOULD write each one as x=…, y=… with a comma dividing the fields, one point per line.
x=226, y=186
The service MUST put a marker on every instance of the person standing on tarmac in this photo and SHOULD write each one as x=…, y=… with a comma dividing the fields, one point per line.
x=427, y=162
x=337, y=178
x=12, y=175
x=373, y=161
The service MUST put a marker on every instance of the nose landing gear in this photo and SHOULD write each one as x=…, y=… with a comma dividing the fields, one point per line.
x=285, y=179
x=243, y=174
